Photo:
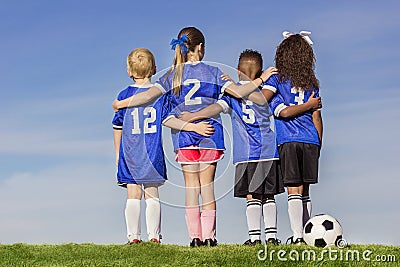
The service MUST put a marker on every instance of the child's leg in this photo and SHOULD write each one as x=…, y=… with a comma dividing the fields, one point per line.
x=306, y=203
x=153, y=211
x=253, y=215
x=269, y=212
x=192, y=184
x=295, y=209
x=208, y=215
x=132, y=211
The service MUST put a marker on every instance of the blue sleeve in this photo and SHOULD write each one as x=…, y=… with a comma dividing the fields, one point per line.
x=271, y=84
x=118, y=119
x=277, y=104
x=164, y=82
x=225, y=102
x=228, y=99
x=222, y=84
x=166, y=106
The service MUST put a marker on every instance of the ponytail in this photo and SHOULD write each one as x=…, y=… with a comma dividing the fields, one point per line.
x=188, y=39
x=179, y=61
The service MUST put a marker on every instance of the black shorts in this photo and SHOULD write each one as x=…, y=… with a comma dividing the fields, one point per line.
x=262, y=178
x=299, y=163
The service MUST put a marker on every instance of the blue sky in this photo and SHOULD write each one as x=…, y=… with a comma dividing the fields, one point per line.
x=63, y=62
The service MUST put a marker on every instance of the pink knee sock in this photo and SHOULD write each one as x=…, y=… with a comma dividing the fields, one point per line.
x=193, y=222
x=208, y=218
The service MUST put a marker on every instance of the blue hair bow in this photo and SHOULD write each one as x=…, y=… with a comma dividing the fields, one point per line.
x=181, y=42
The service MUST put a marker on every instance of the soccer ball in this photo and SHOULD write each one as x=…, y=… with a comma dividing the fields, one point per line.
x=322, y=230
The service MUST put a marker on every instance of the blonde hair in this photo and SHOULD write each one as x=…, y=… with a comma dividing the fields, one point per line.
x=195, y=37
x=140, y=63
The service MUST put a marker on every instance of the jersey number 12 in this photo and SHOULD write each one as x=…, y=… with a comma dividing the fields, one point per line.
x=151, y=114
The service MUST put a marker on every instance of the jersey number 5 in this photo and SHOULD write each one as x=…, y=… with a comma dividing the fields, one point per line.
x=188, y=97
x=248, y=113
x=151, y=114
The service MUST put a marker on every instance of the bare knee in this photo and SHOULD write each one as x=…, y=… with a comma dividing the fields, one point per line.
x=296, y=189
x=134, y=191
x=151, y=191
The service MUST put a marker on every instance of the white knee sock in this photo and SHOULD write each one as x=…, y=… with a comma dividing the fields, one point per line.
x=269, y=213
x=253, y=214
x=153, y=218
x=295, y=209
x=132, y=218
x=306, y=208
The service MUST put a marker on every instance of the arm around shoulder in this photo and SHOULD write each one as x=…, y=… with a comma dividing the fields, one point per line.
x=139, y=99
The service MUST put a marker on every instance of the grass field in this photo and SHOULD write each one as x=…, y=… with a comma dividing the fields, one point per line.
x=149, y=254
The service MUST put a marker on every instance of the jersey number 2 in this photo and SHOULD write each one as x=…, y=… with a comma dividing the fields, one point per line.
x=147, y=121
x=188, y=97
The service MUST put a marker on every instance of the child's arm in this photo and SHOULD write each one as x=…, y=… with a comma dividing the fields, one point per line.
x=205, y=113
x=138, y=99
x=292, y=111
x=117, y=144
x=268, y=94
x=317, y=120
x=258, y=98
x=203, y=127
x=240, y=91
x=255, y=97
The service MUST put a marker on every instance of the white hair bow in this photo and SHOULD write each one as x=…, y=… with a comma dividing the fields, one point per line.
x=304, y=34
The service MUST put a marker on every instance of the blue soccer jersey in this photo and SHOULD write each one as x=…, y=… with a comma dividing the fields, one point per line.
x=297, y=129
x=141, y=155
x=201, y=86
x=253, y=132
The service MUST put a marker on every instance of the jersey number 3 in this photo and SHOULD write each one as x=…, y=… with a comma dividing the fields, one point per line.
x=151, y=114
x=298, y=100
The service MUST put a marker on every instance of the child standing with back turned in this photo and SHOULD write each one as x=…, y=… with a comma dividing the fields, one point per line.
x=257, y=174
x=138, y=147
x=298, y=124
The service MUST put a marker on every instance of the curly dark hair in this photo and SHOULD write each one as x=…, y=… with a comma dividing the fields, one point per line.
x=295, y=62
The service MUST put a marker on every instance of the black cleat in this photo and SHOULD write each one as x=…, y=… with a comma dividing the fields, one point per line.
x=252, y=243
x=298, y=241
x=273, y=241
x=134, y=242
x=196, y=242
x=210, y=242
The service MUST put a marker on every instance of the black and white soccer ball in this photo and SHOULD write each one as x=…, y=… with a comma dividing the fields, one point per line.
x=323, y=230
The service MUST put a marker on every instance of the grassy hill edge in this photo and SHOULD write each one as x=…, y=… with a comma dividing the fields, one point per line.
x=149, y=254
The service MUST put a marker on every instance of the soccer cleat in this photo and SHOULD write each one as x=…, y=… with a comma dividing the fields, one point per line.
x=252, y=243
x=196, y=242
x=298, y=241
x=273, y=241
x=155, y=240
x=134, y=242
x=210, y=242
